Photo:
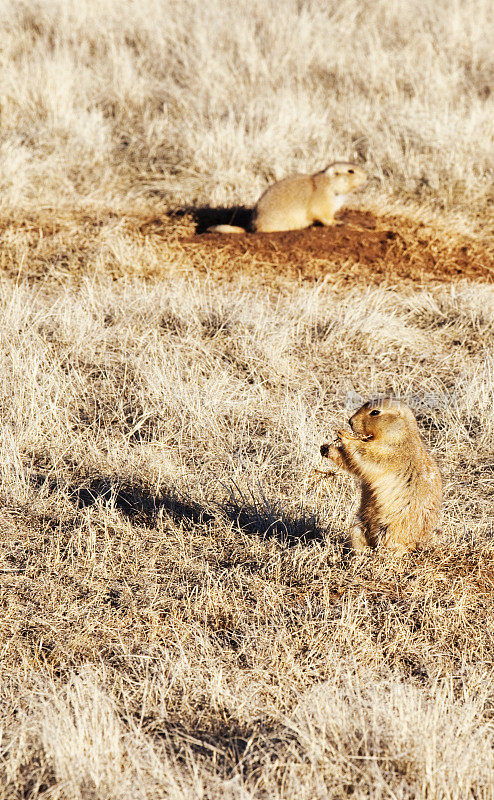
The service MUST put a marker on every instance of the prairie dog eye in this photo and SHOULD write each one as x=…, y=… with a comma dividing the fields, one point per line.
x=374, y=412
x=351, y=171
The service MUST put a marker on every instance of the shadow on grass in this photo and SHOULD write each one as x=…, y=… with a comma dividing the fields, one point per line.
x=255, y=514
x=251, y=513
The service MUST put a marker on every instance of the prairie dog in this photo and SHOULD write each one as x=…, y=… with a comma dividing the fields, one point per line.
x=400, y=482
x=300, y=200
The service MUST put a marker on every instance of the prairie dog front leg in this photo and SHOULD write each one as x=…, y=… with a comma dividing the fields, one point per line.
x=353, y=448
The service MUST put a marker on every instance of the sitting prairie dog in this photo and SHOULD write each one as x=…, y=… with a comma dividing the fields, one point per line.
x=300, y=200
x=400, y=481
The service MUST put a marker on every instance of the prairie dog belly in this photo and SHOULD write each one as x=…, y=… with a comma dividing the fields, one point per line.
x=391, y=495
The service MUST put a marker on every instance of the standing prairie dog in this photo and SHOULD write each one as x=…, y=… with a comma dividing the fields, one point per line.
x=400, y=481
x=300, y=200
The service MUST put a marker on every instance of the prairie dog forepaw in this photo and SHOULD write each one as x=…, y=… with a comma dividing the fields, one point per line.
x=325, y=449
x=329, y=449
x=343, y=434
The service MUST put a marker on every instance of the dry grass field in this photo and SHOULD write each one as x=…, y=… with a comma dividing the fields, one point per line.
x=181, y=616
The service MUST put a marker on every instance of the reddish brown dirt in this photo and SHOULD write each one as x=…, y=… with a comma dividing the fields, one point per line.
x=361, y=247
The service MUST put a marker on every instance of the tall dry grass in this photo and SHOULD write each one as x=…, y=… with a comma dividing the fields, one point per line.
x=114, y=103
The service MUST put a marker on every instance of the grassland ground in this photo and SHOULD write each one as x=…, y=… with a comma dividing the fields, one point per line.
x=180, y=614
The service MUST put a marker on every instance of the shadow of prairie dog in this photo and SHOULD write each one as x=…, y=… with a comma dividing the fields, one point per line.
x=298, y=201
x=400, y=481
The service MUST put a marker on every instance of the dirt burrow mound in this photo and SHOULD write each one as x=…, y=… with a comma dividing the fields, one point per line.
x=361, y=245
x=361, y=248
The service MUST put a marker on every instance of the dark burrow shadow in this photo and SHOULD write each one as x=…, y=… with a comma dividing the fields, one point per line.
x=205, y=216
x=252, y=514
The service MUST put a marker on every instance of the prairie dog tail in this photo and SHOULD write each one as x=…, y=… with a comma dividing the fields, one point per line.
x=225, y=229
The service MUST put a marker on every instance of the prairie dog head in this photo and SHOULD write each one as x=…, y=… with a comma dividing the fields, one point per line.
x=345, y=176
x=384, y=420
